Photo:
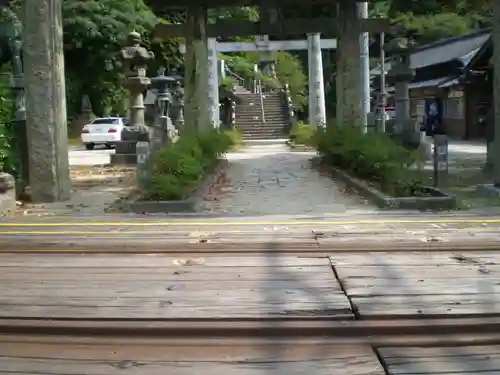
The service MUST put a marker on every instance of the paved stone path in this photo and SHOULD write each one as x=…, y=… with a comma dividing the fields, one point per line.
x=272, y=180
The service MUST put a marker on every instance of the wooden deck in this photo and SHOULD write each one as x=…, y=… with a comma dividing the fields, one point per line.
x=468, y=360
x=156, y=286
x=424, y=284
x=92, y=358
x=417, y=285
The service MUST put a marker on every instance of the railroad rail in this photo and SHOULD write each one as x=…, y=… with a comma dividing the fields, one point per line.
x=238, y=235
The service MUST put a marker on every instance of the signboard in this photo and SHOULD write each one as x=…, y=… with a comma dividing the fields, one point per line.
x=262, y=41
x=440, y=159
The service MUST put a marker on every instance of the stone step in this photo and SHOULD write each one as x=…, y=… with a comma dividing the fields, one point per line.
x=260, y=126
x=257, y=102
x=253, y=119
x=248, y=116
x=253, y=111
x=258, y=123
x=257, y=99
x=261, y=131
x=263, y=137
x=258, y=113
x=259, y=108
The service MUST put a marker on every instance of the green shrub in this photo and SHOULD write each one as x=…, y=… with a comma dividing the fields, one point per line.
x=175, y=170
x=235, y=138
x=303, y=134
x=372, y=157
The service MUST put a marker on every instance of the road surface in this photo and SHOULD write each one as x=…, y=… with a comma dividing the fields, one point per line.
x=78, y=155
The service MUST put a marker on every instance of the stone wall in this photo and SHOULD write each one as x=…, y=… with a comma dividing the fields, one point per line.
x=7, y=194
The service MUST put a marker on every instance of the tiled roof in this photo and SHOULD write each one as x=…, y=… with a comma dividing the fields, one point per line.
x=462, y=48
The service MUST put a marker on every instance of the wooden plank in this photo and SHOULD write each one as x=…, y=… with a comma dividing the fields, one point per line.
x=295, y=26
x=454, y=360
x=178, y=300
x=151, y=260
x=415, y=259
x=458, y=271
x=437, y=289
x=198, y=290
x=59, y=287
x=481, y=284
x=408, y=306
x=189, y=360
x=166, y=274
x=260, y=309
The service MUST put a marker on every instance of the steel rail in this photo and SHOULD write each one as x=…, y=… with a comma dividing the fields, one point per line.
x=245, y=328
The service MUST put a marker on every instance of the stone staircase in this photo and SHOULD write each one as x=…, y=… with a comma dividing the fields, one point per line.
x=248, y=116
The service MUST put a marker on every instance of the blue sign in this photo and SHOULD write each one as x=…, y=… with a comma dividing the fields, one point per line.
x=433, y=121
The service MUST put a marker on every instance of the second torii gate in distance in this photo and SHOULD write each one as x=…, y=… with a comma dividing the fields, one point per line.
x=314, y=44
x=346, y=28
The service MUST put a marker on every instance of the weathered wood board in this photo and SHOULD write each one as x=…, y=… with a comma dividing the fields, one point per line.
x=160, y=287
x=420, y=285
x=466, y=360
x=99, y=358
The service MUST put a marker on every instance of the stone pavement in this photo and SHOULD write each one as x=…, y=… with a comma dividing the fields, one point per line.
x=94, y=191
x=270, y=179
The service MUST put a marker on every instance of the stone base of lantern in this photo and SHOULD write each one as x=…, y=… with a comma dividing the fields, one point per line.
x=125, y=153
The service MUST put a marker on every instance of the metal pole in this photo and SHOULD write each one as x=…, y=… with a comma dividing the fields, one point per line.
x=364, y=57
x=382, y=83
x=261, y=96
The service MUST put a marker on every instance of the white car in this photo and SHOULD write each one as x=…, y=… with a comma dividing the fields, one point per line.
x=103, y=131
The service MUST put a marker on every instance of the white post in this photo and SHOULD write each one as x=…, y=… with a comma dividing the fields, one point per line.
x=222, y=69
x=382, y=83
x=213, y=82
x=364, y=57
x=317, y=105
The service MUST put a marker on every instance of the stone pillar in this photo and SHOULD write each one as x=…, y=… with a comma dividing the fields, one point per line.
x=348, y=65
x=364, y=57
x=46, y=101
x=213, y=82
x=196, y=114
x=317, y=105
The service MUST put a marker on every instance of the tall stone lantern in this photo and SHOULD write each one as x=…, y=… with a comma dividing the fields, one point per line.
x=134, y=58
x=401, y=76
x=163, y=127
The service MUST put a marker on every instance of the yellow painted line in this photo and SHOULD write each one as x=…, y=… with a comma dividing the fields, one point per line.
x=476, y=248
x=248, y=223
x=166, y=232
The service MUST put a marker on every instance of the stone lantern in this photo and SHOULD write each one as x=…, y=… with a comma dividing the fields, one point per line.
x=135, y=59
x=163, y=129
x=401, y=75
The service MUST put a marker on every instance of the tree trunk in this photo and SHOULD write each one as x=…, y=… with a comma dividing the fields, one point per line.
x=196, y=109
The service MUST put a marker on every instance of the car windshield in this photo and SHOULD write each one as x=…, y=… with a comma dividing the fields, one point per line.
x=105, y=121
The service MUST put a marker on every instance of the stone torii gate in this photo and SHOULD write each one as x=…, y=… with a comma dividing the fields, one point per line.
x=347, y=28
x=314, y=44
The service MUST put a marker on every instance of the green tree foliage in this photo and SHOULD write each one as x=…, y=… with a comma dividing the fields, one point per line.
x=94, y=32
x=431, y=28
x=289, y=70
x=8, y=156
